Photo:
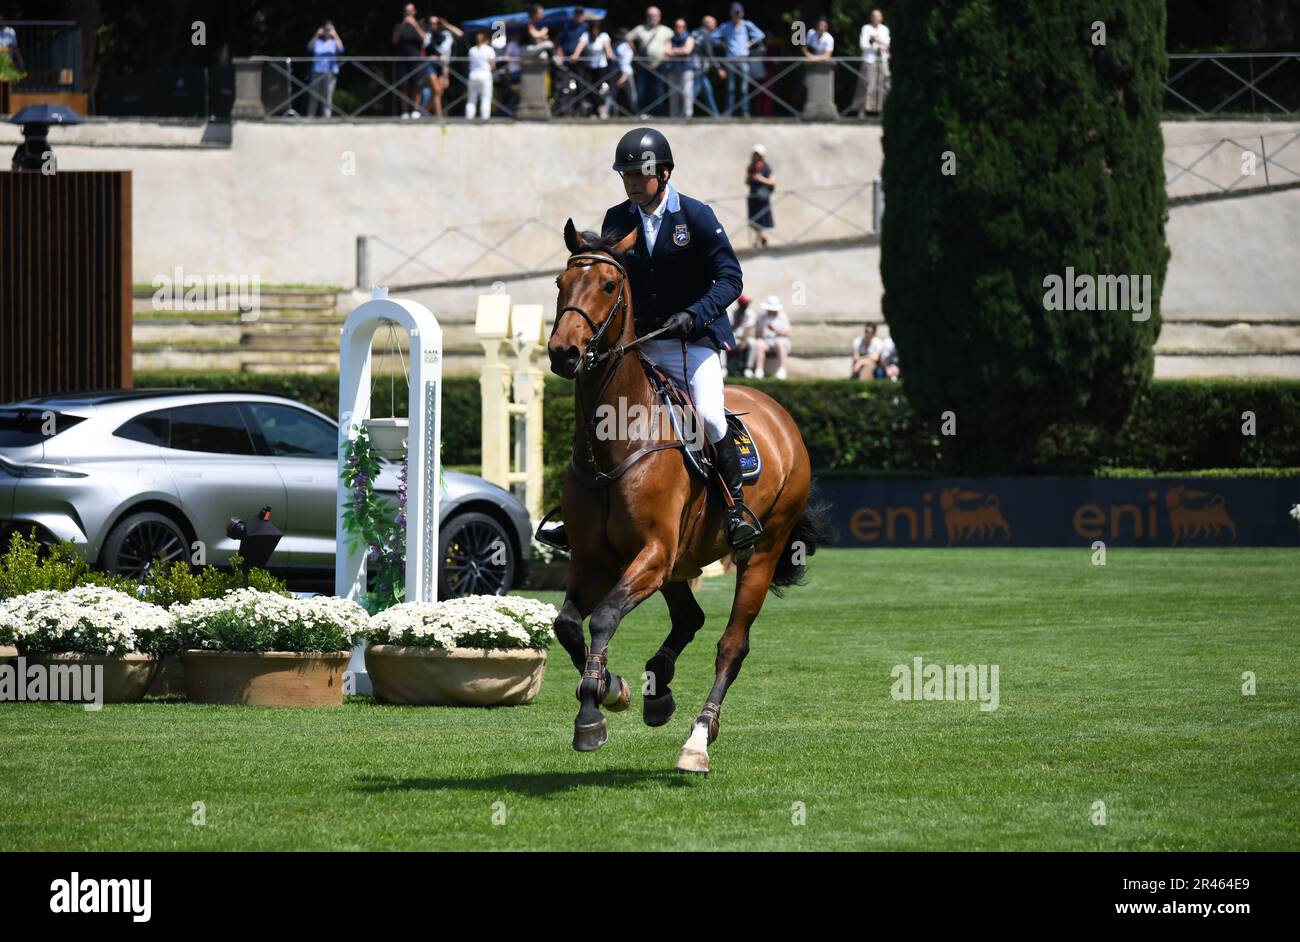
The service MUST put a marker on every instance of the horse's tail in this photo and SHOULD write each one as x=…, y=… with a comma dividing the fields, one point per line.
x=812, y=529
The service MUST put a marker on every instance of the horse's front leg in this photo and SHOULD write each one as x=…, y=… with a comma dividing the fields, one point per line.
x=642, y=578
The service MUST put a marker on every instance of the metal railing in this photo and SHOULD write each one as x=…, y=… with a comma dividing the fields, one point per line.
x=534, y=246
x=1210, y=84
x=376, y=86
x=1231, y=164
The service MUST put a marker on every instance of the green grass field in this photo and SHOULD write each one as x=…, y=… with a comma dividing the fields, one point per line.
x=1120, y=684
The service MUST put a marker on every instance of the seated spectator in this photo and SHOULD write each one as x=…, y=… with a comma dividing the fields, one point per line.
x=874, y=357
x=772, y=333
x=740, y=361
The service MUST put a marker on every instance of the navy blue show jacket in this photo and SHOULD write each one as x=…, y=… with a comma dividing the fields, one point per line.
x=693, y=268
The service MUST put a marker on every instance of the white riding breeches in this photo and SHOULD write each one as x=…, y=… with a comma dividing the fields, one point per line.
x=705, y=379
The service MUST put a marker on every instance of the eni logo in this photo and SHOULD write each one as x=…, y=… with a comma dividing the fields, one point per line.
x=1193, y=513
x=972, y=514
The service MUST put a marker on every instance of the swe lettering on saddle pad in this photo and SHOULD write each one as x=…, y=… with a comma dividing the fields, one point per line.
x=751, y=461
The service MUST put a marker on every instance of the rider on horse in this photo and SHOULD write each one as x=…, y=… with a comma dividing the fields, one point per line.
x=684, y=275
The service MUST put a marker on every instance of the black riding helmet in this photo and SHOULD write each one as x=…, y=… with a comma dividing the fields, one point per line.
x=638, y=146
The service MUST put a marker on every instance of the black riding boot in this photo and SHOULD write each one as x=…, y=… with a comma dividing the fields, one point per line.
x=742, y=526
x=553, y=534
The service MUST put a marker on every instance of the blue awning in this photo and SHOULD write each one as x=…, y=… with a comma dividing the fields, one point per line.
x=551, y=17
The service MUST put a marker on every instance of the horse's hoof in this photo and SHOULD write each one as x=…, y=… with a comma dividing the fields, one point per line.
x=591, y=737
x=693, y=760
x=656, y=711
x=616, y=700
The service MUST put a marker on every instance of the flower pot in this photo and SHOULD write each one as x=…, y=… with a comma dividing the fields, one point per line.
x=170, y=679
x=421, y=676
x=126, y=677
x=269, y=678
x=389, y=436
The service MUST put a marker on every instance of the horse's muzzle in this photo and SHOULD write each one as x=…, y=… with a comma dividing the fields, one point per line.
x=564, y=361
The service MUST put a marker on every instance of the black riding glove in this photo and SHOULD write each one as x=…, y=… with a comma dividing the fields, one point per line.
x=679, y=325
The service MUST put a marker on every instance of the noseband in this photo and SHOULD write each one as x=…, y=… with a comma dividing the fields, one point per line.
x=591, y=359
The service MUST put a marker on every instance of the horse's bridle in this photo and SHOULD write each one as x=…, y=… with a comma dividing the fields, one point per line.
x=591, y=360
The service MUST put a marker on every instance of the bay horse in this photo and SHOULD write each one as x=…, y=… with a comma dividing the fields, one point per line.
x=640, y=522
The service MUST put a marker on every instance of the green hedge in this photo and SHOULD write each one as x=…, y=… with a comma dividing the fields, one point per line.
x=869, y=429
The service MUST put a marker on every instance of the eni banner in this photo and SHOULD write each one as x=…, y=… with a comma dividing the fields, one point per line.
x=1064, y=511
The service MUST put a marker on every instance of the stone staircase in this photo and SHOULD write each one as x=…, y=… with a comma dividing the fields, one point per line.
x=296, y=331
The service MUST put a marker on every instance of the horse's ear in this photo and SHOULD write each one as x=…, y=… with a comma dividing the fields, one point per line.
x=571, y=238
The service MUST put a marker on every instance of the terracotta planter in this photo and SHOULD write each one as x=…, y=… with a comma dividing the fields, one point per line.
x=270, y=678
x=419, y=676
x=170, y=679
x=126, y=677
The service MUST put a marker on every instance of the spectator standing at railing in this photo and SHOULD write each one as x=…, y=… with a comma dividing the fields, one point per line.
x=439, y=40
x=873, y=84
x=539, y=36
x=761, y=183
x=626, y=80
x=596, y=46
x=708, y=65
x=408, y=38
x=509, y=69
x=9, y=44
x=820, y=44
x=681, y=71
x=482, y=59
x=651, y=40
x=568, y=66
x=325, y=46
x=738, y=37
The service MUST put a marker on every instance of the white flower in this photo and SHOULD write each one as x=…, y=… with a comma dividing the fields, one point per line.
x=270, y=614
x=85, y=620
x=475, y=621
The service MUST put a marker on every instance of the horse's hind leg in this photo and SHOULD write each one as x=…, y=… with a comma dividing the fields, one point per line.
x=753, y=578
x=598, y=686
x=657, y=706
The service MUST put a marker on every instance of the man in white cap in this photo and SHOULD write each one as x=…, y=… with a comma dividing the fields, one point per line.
x=773, y=333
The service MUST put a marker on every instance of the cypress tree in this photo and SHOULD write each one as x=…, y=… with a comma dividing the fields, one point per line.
x=1021, y=142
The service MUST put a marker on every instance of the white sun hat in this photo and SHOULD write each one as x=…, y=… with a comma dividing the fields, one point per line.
x=773, y=304
x=760, y=150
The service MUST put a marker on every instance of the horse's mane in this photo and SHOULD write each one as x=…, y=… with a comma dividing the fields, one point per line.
x=591, y=242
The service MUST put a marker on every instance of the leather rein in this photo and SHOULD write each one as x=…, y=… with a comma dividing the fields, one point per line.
x=591, y=360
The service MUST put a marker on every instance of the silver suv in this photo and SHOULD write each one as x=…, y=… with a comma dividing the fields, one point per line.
x=134, y=475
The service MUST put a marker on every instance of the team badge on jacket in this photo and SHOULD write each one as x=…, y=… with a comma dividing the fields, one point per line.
x=681, y=235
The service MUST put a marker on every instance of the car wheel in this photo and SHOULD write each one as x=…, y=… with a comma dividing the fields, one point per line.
x=137, y=541
x=477, y=557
